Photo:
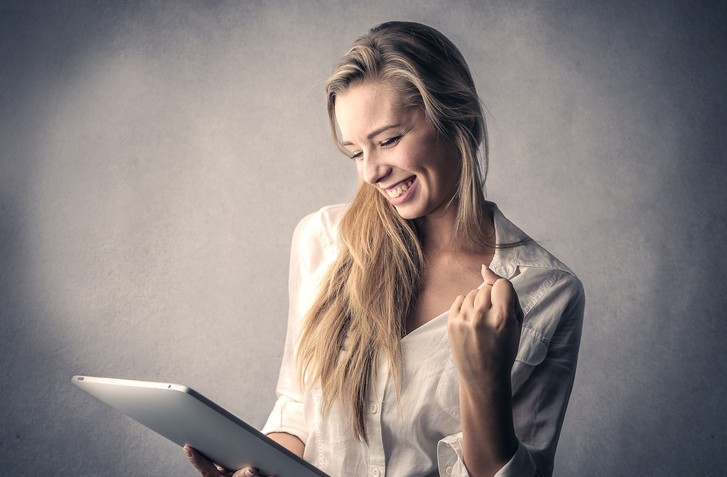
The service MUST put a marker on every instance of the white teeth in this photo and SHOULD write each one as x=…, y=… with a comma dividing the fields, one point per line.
x=399, y=190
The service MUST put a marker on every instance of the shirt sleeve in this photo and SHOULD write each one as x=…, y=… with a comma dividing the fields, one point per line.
x=543, y=377
x=540, y=402
x=451, y=461
x=310, y=256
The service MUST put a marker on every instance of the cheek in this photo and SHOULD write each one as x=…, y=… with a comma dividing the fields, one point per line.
x=415, y=159
x=445, y=173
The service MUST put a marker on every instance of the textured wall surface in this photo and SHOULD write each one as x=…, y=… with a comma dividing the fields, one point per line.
x=155, y=157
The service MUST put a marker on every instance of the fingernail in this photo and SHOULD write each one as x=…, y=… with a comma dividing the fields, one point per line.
x=188, y=451
x=249, y=474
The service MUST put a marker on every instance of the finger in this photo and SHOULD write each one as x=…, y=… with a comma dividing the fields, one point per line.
x=468, y=305
x=223, y=471
x=504, y=298
x=199, y=462
x=246, y=472
x=456, y=305
x=483, y=300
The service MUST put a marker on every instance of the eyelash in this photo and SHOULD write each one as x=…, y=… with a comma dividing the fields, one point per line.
x=391, y=142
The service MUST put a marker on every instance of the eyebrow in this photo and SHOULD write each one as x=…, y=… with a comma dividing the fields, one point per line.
x=374, y=133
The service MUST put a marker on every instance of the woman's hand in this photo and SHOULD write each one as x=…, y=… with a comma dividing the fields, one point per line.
x=208, y=469
x=484, y=332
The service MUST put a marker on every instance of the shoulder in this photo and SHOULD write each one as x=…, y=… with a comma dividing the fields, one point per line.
x=541, y=272
x=545, y=285
x=312, y=253
x=548, y=290
x=320, y=226
x=314, y=244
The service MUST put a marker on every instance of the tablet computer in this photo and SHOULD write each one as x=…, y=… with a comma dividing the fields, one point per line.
x=184, y=416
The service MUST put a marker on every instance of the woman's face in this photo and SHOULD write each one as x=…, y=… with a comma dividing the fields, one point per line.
x=397, y=150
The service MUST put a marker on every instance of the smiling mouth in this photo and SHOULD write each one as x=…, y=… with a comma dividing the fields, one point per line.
x=397, y=191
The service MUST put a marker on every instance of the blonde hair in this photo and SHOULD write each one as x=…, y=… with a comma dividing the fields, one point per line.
x=358, y=317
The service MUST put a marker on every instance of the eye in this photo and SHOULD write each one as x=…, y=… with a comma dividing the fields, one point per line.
x=356, y=155
x=391, y=142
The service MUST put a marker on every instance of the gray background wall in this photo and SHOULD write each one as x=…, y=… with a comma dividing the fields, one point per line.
x=155, y=157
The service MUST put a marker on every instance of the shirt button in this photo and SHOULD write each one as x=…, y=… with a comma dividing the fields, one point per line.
x=449, y=470
x=376, y=473
x=374, y=408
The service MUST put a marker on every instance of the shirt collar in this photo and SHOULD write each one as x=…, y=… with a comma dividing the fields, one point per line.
x=505, y=261
x=527, y=253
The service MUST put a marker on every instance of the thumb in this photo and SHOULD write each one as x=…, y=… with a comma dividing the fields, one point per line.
x=246, y=472
x=489, y=276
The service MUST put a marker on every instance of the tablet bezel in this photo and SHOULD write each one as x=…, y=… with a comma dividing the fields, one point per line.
x=185, y=416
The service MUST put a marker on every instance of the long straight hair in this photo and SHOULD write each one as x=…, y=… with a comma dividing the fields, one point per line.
x=358, y=317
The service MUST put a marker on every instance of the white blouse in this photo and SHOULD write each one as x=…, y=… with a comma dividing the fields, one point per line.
x=420, y=434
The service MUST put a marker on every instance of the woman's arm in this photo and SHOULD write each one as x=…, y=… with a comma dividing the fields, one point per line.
x=289, y=441
x=486, y=415
x=541, y=380
x=484, y=331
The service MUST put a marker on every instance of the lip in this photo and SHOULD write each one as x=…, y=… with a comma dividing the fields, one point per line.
x=399, y=183
x=405, y=196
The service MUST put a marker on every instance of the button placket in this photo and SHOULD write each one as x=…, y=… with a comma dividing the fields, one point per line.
x=377, y=456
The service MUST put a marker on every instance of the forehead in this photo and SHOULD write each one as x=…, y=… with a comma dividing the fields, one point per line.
x=366, y=106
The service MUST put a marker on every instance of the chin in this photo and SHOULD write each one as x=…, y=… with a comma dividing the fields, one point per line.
x=409, y=213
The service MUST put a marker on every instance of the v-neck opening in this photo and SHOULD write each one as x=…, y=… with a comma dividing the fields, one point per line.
x=425, y=325
x=433, y=319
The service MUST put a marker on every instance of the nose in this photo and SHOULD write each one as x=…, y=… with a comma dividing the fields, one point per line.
x=373, y=169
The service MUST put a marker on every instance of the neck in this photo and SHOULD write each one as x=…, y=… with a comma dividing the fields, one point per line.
x=438, y=232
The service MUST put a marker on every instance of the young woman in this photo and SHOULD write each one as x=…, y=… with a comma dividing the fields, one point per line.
x=427, y=336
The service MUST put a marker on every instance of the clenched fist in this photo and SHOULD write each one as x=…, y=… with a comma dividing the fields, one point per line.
x=484, y=331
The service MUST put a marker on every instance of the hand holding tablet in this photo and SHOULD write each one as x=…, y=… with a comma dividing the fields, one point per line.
x=208, y=469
